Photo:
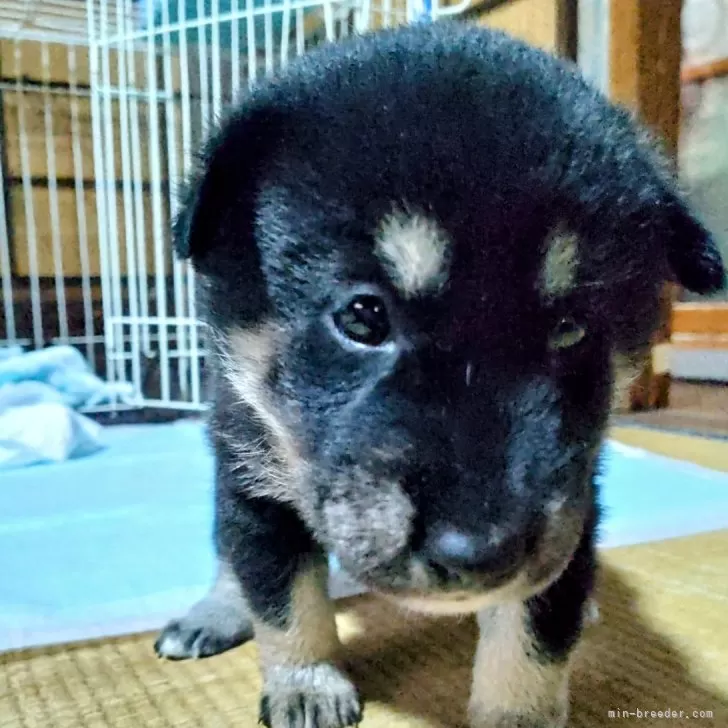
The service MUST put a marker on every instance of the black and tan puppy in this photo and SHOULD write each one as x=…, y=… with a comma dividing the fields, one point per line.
x=426, y=254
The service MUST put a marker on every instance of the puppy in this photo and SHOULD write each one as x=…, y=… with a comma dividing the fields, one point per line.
x=427, y=256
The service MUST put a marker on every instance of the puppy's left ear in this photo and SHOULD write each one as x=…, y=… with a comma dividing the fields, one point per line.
x=215, y=227
x=217, y=201
x=692, y=254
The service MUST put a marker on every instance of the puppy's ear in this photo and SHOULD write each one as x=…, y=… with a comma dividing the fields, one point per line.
x=215, y=228
x=215, y=222
x=692, y=256
x=692, y=253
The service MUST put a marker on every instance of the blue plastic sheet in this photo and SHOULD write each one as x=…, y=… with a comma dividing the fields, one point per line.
x=121, y=541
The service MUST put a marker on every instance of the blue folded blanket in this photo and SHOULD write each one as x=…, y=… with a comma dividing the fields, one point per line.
x=40, y=393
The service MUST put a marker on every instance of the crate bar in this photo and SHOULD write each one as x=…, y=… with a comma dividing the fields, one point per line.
x=5, y=274
x=173, y=175
x=252, y=48
x=329, y=20
x=202, y=21
x=78, y=170
x=235, y=50
x=110, y=239
x=29, y=208
x=268, y=35
x=300, y=31
x=203, y=69
x=155, y=167
x=56, y=246
x=140, y=236
x=215, y=58
x=285, y=32
x=186, y=121
x=95, y=43
x=122, y=14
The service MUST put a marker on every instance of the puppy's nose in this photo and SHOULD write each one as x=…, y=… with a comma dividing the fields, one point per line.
x=495, y=551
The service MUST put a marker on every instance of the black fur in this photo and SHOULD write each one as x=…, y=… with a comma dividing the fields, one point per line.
x=264, y=718
x=499, y=145
x=246, y=525
x=276, y=536
x=556, y=616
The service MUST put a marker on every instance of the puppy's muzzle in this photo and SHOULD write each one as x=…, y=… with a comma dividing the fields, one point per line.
x=490, y=554
x=495, y=552
x=481, y=537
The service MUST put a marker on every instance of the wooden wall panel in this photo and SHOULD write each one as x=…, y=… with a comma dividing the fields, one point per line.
x=45, y=110
x=70, y=232
x=59, y=64
x=27, y=59
x=535, y=21
x=47, y=117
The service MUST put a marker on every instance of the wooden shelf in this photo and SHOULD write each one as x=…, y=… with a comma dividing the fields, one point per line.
x=705, y=71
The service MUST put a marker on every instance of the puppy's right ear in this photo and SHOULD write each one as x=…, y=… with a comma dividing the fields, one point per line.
x=214, y=227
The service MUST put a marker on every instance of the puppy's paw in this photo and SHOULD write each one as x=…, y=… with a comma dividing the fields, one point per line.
x=310, y=696
x=207, y=630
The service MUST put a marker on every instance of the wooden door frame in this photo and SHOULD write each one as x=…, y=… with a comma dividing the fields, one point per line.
x=646, y=75
x=699, y=348
x=564, y=18
x=645, y=51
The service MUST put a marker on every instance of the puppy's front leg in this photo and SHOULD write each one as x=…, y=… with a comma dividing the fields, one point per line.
x=284, y=580
x=515, y=683
x=303, y=686
x=521, y=673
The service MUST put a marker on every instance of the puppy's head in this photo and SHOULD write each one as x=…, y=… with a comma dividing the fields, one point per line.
x=428, y=254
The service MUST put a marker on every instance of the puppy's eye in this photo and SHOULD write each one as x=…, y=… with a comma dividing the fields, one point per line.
x=567, y=333
x=364, y=320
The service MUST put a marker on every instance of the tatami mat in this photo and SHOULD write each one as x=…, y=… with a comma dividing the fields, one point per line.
x=708, y=452
x=662, y=645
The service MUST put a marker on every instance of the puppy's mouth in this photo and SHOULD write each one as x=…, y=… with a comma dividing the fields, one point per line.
x=385, y=543
x=430, y=591
x=419, y=584
x=437, y=590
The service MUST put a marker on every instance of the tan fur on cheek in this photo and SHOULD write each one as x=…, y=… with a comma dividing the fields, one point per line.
x=510, y=687
x=276, y=464
x=560, y=264
x=310, y=636
x=367, y=522
x=414, y=251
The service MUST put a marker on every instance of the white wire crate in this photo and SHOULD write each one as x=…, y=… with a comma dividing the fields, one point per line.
x=48, y=250
x=95, y=146
x=168, y=68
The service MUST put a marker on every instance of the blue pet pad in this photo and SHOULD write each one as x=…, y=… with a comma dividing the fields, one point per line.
x=120, y=541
